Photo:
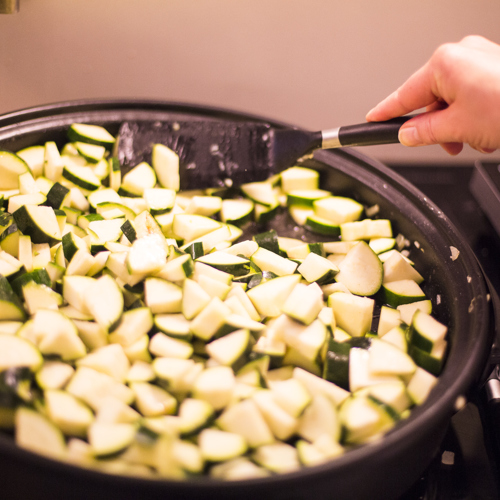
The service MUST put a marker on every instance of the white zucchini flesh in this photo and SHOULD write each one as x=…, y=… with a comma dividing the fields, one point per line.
x=16, y=352
x=245, y=419
x=360, y=375
x=165, y=162
x=277, y=457
x=320, y=418
x=37, y=433
x=218, y=446
x=361, y=270
x=72, y=416
x=352, y=313
x=110, y=438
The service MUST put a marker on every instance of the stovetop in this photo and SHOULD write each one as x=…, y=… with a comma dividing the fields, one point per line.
x=468, y=464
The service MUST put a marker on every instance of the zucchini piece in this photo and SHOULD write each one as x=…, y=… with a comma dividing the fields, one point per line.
x=366, y=229
x=232, y=349
x=381, y=245
x=70, y=415
x=304, y=303
x=38, y=222
x=338, y=209
x=318, y=385
x=336, y=367
x=361, y=270
x=93, y=153
x=37, y=296
x=219, y=446
x=189, y=227
x=174, y=325
x=299, y=178
x=267, y=260
x=260, y=192
x=245, y=419
x=263, y=214
x=108, y=439
x=389, y=318
x=268, y=240
x=177, y=269
x=194, y=299
x=319, y=225
x=277, y=457
x=38, y=434
x=281, y=423
x=168, y=347
x=420, y=385
x=392, y=394
x=90, y=134
x=137, y=180
x=165, y=162
x=81, y=263
x=104, y=300
x=101, y=196
x=96, y=388
x=58, y=196
x=16, y=352
x=387, y=359
x=173, y=372
x=316, y=268
x=109, y=359
x=426, y=332
x=18, y=201
x=152, y=401
x=57, y=335
x=159, y=200
x=268, y=298
x=11, y=308
x=204, y=205
x=148, y=255
x=134, y=324
x=408, y=310
x=54, y=375
x=34, y=157
x=237, y=212
x=319, y=418
x=11, y=167
x=352, y=313
x=364, y=419
x=161, y=296
x=401, y=292
x=215, y=385
x=226, y=262
x=305, y=197
x=83, y=177
x=397, y=268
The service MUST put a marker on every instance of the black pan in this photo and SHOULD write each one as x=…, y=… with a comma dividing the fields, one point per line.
x=382, y=470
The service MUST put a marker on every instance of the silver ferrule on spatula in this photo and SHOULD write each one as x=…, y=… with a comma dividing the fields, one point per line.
x=330, y=138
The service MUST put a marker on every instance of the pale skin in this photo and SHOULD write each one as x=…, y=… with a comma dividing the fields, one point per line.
x=460, y=88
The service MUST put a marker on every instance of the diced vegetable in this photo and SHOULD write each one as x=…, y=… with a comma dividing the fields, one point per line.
x=138, y=326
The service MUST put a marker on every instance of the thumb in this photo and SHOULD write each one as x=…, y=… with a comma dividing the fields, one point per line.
x=433, y=127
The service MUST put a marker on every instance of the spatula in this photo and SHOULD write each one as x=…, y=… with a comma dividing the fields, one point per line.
x=218, y=153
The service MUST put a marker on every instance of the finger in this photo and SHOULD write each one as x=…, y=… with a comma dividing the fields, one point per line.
x=480, y=43
x=435, y=127
x=417, y=92
x=452, y=148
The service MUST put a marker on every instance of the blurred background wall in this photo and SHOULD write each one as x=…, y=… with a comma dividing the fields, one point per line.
x=312, y=63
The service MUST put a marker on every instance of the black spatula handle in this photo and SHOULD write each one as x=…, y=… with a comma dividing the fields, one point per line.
x=364, y=134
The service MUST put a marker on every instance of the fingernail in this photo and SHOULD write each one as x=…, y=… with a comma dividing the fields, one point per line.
x=409, y=136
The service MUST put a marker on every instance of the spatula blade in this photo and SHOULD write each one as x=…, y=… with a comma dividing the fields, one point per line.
x=212, y=153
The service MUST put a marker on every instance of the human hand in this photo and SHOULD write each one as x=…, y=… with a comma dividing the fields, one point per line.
x=460, y=88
